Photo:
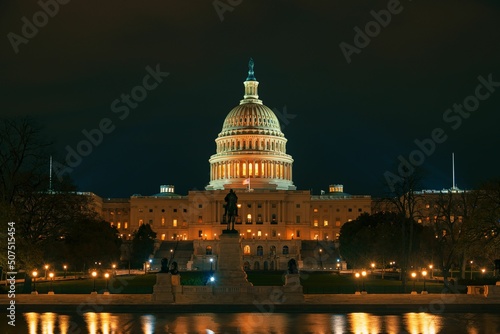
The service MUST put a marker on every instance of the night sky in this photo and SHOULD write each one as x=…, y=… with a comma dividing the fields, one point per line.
x=352, y=120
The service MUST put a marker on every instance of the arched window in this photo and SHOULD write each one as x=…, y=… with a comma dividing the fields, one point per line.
x=285, y=250
x=246, y=250
x=208, y=250
x=260, y=251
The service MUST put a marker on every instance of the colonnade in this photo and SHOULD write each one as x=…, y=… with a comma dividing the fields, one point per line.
x=251, y=168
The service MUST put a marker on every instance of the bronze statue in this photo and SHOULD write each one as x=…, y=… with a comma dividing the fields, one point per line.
x=164, y=266
x=292, y=267
x=173, y=268
x=231, y=209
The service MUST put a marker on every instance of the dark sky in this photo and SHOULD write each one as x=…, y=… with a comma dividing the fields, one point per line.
x=352, y=120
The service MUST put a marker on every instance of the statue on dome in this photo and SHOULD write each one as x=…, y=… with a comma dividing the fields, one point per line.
x=251, y=76
x=231, y=209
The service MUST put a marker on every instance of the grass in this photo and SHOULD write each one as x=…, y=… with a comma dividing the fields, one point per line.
x=312, y=282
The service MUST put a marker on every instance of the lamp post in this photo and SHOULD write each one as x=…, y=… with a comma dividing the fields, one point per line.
x=211, y=263
x=51, y=291
x=46, y=268
x=373, y=266
x=363, y=274
x=414, y=276
x=471, y=262
x=431, y=267
x=320, y=262
x=483, y=271
x=106, y=275
x=357, y=283
x=34, y=274
x=171, y=254
x=424, y=273
x=65, y=267
x=94, y=275
x=114, y=269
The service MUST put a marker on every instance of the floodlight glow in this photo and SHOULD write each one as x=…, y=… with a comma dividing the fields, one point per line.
x=212, y=279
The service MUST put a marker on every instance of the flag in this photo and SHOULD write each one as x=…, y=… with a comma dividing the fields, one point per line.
x=246, y=181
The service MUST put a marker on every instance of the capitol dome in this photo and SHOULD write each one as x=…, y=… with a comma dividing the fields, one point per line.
x=251, y=148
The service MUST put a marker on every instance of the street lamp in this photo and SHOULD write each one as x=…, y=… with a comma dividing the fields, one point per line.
x=431, y=267
x=424, y=273
x=373, y=266
x=471, y=262
x=51, y=275
x=46, y=268
x=114, y=269
x=106, y=275
x=171, y=254
x=483, y=271
x=211, y=262
x=34, y=274
x=363, y=273
x=414, y=276
x=65, y=267
x=357, y=283
x=320, y=262
x=94, y=275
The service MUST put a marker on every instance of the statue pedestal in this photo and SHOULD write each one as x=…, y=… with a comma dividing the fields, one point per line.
x=293, y=290
x=230, y=263
x=163, y=290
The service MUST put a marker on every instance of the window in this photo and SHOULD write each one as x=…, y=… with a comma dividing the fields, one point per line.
x=274, y=219
x=350, y=210
x=200, y=206
x=360, y=210
x=184, y=210
x=259, y=219
x=175, y=210
x=150, y=210
x=125, y=225
x=200, y=219
x=140, y=210
x=297, y=219
x=325, y=222
x=273, y=233
x=200, y=234
x=163, y=236
x=298, y=234
x=118, y=225
x=141, y=222
x=249, y=219
x=273, y=250
x=259, y=233
x=337, y=223
x=260, y=251
x=273, y=205
x=315, y=222
x=285, y=250
x=162, y=210
x=259, y=205
x=162, y=221
x=315, y=210
x=246, y=250
x=297, y=206
x=208, y=250
x=174, y=223
x=249, y=206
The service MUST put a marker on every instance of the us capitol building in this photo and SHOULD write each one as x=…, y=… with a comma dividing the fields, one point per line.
x=275, y=220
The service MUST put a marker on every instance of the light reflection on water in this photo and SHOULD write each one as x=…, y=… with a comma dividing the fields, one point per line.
x=243, y=323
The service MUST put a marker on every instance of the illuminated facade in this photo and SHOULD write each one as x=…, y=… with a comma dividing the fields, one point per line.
x=250, y=158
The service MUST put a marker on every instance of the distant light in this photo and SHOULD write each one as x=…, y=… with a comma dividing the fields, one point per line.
x=212, y=279
x=150, y=260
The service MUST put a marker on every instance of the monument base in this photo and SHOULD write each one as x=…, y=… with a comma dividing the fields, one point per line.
x=165, y=288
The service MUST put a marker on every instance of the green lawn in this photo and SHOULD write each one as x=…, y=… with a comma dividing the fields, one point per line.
x=313, y=282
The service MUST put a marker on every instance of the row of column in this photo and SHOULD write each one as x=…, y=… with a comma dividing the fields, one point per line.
x=258, y=169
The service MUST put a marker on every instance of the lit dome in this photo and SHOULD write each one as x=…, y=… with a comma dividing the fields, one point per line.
x=251, y=149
